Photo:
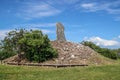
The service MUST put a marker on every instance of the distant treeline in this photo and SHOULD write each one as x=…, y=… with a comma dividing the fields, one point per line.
x=110, y=53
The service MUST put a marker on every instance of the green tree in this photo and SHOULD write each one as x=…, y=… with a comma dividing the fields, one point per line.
x=37, y=46
x=9, y=45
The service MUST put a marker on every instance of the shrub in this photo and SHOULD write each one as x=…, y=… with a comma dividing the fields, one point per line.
x=103, y=51
x=37, y=46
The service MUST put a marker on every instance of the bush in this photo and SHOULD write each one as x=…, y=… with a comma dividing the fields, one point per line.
x=37, y=46
x=103, y=51
x=6, y=54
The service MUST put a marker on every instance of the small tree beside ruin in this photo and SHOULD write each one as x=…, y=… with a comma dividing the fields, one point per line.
x=36, y=46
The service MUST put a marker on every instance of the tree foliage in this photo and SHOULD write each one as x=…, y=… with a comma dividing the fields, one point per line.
x=110, y=53
x=35, y=45
x=9, y=45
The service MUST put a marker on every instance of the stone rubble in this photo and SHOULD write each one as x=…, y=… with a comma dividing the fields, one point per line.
x=70, y=53
x=73, y=53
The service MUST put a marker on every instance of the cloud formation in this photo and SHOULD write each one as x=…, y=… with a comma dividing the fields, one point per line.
x=45, y=8
x=119, y=36
x=3, y=33
x=37, y=10
x=33, y=9
x=110, y=7
x=37, y=25
x=44, y=27
x=103, y=42
x=89, y=6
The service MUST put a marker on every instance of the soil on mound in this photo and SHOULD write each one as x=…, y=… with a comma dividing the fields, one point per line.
x=70, y=53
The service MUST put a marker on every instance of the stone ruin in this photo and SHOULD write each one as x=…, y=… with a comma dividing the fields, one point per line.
x=60, y=32
x=68, y=52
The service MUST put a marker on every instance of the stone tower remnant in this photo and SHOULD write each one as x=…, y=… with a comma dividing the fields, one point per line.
x=60, y=32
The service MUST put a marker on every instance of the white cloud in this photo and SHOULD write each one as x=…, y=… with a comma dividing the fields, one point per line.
x=46, y=28
x=39, y=25
x=3, y=33
x=119, y=36
x=37, y=10
x=103, y=42
x=89, y=6
x=110, y=7
x=43, y=8
x=46, y=31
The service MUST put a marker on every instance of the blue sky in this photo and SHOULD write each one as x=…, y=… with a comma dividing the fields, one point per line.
x=93, y=20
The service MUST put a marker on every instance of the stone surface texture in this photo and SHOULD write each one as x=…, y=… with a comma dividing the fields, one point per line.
x=60, y=32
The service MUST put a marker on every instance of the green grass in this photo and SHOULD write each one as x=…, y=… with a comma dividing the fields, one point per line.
x=106, y=72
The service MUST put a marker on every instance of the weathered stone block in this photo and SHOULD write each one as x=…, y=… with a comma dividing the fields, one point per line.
x=60, y=32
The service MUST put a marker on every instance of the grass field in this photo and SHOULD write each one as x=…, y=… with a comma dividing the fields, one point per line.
x=106, y=72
